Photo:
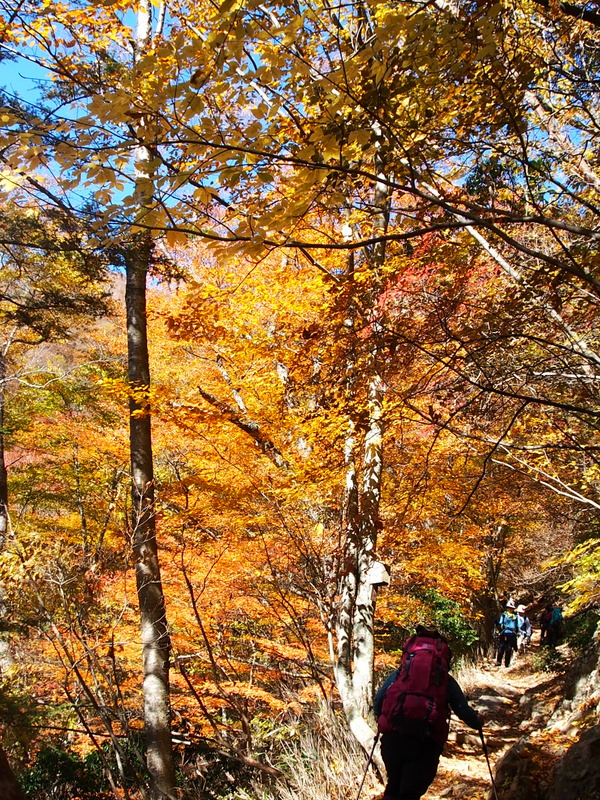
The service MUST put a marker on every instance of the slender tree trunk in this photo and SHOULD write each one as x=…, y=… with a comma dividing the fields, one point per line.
x=6, y=659
x=3, y=473
x=153, y=620
x=155, y=636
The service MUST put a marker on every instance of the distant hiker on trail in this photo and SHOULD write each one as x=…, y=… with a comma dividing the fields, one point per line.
x=525, y=629
x=545, y=623
x=413, y=715
x=508, y=627
x=555, y=627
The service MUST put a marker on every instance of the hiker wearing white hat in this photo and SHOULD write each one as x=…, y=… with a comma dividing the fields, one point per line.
x=525, y=629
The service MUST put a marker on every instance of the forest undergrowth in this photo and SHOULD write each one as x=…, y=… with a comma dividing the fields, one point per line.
x=320, y=760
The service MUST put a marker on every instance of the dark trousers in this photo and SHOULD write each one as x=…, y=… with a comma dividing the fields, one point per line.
x=506, y=644
x=410, y=763
x=553, y=635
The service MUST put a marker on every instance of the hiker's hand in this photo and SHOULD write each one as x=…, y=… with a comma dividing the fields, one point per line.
x=481, y=722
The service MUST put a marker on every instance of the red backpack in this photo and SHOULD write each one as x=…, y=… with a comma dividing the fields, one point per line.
x=416, y=703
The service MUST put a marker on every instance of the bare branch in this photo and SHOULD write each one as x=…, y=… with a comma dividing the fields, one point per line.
x=249, y=426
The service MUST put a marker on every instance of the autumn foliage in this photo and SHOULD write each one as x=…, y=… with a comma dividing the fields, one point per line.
x=368, y=241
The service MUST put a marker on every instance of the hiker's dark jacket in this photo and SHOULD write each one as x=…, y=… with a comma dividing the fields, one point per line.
x=455, y=699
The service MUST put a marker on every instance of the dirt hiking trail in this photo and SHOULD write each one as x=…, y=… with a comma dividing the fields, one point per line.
x=515, y=701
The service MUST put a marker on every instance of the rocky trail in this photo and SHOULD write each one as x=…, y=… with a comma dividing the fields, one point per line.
x=520, y=705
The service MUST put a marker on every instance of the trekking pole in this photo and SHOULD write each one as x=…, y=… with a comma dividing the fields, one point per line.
x=362, y=783
x=487, y=758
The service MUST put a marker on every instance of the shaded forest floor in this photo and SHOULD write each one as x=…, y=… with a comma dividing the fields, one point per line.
x=516, y=701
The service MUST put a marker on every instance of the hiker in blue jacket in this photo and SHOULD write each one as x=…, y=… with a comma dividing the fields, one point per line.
x=411, y=756
x=508, y=627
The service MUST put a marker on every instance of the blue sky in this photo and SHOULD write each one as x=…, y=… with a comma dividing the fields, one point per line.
x=19, y=77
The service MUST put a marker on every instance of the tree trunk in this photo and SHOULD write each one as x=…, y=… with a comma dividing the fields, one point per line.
x=3, y=474
x=9, y=788
x=364, y=608
x=354, y=625
x=354, y=628
x=155, y=636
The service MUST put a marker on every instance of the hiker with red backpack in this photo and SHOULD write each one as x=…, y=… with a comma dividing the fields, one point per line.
x=413, y=715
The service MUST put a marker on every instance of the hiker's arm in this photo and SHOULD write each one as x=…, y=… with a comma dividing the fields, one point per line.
x=458, y=703
x=378, y=704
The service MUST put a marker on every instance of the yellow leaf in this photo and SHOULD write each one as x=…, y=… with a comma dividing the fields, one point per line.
x=175, y=238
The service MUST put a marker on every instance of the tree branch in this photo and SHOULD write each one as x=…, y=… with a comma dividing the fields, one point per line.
x=580, y=12
x=249, y=426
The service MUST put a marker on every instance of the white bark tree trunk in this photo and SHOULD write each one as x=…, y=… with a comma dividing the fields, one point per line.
x=354, y=627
